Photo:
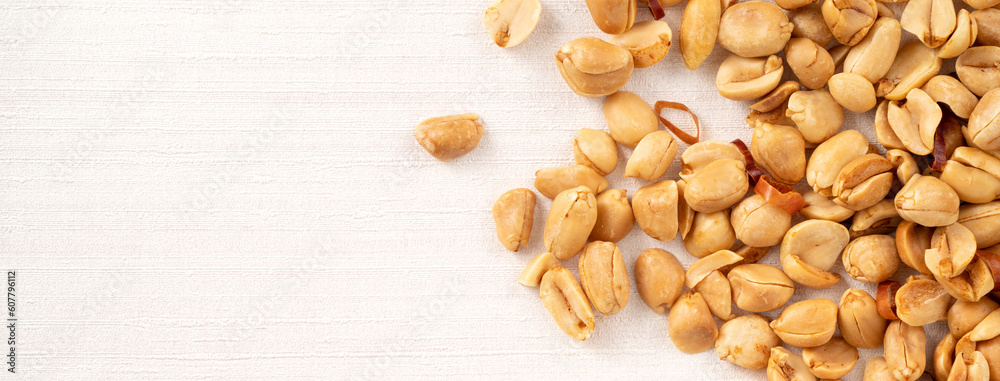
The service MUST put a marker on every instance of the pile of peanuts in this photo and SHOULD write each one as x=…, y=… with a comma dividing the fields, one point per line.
x=927, y=198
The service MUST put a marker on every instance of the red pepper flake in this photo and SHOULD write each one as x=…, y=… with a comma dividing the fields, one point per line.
x=683, y=136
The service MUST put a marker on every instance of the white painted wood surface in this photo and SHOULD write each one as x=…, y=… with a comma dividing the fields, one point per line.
x=231, y=189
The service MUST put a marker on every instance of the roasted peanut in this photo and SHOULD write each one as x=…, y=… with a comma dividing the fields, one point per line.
x=859, y=320
x=915, y=64
x=950, y=91
x=979, y=69
x=593, y=67
x=912, y=241
x=781, y=151
x=831, y=156
x=717, y=186
x=659, y=278
x=514, y=213
x=571, y=218
x=872, y=57
x=612, y=16
x=984, y=123
x=776, y=97
x=831, y=360
x=754, y=29
x=690, y=324
x=760, y=288
x=927, y=201
x=932, y=21
x=562, y=296
x=614, y=216
x=510, y=22
x=973, y=174
x=921, y=301
x=852, y=91
x=783, y=365
x=744, y=79
x=966, y=31
x=746, y=341
x=655, y=209
x=811, y=64
x=984, y=222
x=449, y=137
x=648, y=41
x=821, y=207
x=652, y=156
x=986, y=26
x=817, y=115
x=758, y=223
x=710, y=232
x=699, y=30
x=809, y=23
x=551, y=181
x=964, y=316
x=905, y=348
x=808, y=323
x=701, y=154
x=629, y=118
x=863, y=182
x=916, y=121
x=595, y=149
x=849, y=20
x=871, y=258
x=532, y=274
x=603, y=277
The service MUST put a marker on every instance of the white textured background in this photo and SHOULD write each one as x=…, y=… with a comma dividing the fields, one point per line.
x=231, y=189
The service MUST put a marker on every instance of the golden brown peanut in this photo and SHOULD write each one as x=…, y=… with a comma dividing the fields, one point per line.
x=973, y=174
x=776, y=117
x=685, y=215
x=948, y=90
x=717, y=186
x=743, y=79
x=704, y=274
x=629, y=118
x=614, y=216
x=968, y=367
x=871, y=258
x=817, y=115
x=571, y=218
x=808, y=323
x=793, y=4
x=831, y=360
x=988, y=328
x=979, y=69
x=553, y=180
x=927, y=201
x=872, y=57
x=510, y=22
x=991, y=351
x=982, y=4
x=449, y=137
x=514, y=213
x=905, y=348
x=754, y=29
x=652, y=156
x=904, y=163
x=710, y=232
x=595, y=149
x=964, y=316
x=648, y=41
x=953, y=247
x=699, y=30
x=915, y=64
x=884, y=133
x=966, y=31
x=811, y=64
x=932, y=21
x=690, y=324
x=809, y=23
x=831, y=156
x=822, y=208
x=944, y=357
x=839, y=53
x=984, y=222
x=659, y=278
x=809, y=249
x=783, y=365
x=883, y=11
x=612, y=16
x=921, y=301
x=863, y=182
x=655, y=209
x=565, y=300
x=746, y=341
x=859, y=320
x=986, y=23
x=532, y=274
x=760, y=288
x=912, y=241
x=916, y=121
x=972, y=285
x=781, y=151
x=701, y=154
x=594, y=68
x=776, y=97
x=984, y=123
x=749, y=255
x=877, y=219
x=603, y=277
x=852, y=91
x=758, y=223
x=849, y=20
x=878, y=370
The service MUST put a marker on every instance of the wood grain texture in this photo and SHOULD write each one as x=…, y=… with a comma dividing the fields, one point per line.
x=231, y=189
